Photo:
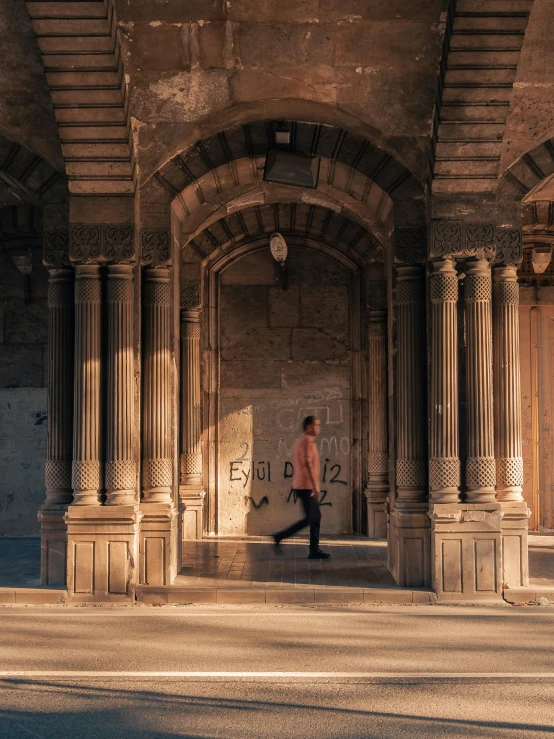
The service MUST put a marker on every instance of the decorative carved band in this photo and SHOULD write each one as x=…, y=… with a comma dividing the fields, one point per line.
x=481, y=472
x=509, y=472
x=60, y=288
x=120, y=290
x=93, y=242
x=410, y=245
x=410, y=473
x=444, y=472
x=190, y=330
x=57, y=474
x=88, y=290
x=156, y=293
x=121, y=475
x=505, y=292
x=191, y=464
x=378, y=463
x=154, y=244
x=444, y=288
x=377, y=329
x=477, y=240
x=478, y=287
x=190, y=296
x=157, y=473
x=86, y=475
x=409, y=291
x=55, y=248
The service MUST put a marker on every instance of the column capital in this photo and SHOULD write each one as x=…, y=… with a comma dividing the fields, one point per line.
x=444, y=281
x=101, y=243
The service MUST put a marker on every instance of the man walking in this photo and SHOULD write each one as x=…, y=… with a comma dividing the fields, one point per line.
x=305, y=484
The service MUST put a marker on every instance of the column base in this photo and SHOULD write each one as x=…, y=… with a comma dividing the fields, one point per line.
x=466, y=551
x=191, y=509
x=53, y=546
x=159, y=546
x=515, y=553
x=411, y=539
x=102, y=553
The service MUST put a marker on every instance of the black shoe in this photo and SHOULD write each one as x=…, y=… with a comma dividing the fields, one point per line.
x=277, y=548
x=319, y=554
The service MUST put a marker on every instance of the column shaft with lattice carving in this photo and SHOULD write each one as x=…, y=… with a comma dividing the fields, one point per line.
x=60, y=389
x=157, y=464
x=411, y=410
x=507, y=386
x=480, y=464
x=86, y=470
x=191, y=429
x=120, y=467
x=444, y=465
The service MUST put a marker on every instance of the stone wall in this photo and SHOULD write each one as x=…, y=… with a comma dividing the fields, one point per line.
x=284, y=354
x=23, y=404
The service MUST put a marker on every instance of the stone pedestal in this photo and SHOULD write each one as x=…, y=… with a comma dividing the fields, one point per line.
x=158, y=545
x=409, y=522
x=191, y=495
x=378, y=459
x=466, y=551
x=515, y=557
x=53, y=530
x=102, y=552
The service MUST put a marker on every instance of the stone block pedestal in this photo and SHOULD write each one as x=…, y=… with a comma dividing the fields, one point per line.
x=53, y=547
x=515, y=556
x=102, y=552
x=376, y=514
x=466, y=551
x=158, y=544
x=191, y=505
x=412, y=556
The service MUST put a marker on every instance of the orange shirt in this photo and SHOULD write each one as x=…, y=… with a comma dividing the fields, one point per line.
x=305, y=453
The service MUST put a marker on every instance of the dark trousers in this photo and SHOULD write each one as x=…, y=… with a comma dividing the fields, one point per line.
x=312, y=518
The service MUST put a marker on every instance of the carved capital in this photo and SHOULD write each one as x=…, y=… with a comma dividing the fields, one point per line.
x=190, y=296
x=101, y=243
x=475, y=240
x=410, y=245
x=155, y=247
x=446, y=238
x=509, y=246
x=55, y=248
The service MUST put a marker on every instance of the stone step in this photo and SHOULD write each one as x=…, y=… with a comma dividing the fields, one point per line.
x=88, y=170
x=77, y=45
x=463, y=185
x=96, y=151
x=473, y=150
x=114, y=134
x=480, y=76
x=482, y=95
x=88, y=116
x=102, y=187
x=68, y=9
x=80, y=62
x=482, y=59
x=83, y=80
x=56, y=27
x=495, y=7
x=450, y=131
x=461, y=112
x=467, y=168
x=486, y=42
x=532, y=594
x=32, y=596
x=71, y=98
x=489, y=24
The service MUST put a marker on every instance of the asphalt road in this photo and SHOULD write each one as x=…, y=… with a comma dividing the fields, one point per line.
x=320, y=672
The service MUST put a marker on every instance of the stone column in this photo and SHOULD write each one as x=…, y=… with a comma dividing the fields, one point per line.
x=480, y=464
x=157, y=463
x=378, y=459
x=86, y=469
x=507, y=388
x=60, y=427
x=409, y=519
x=190, y=482
x=411, y=477
x=444, y=465
x=120, y=466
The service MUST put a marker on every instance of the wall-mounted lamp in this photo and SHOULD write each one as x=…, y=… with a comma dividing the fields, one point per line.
x=540, y=258
x=279, y=251
x=23, y=260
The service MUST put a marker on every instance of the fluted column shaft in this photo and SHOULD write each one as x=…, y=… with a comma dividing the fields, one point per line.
x=507, y=385
x=378, y=459
x=444, y=465
x=157, y=464
x=86, y=468
x=411, y=432
x=60, y=388
x=480, y=465
x=191, y=428
x=120, y=467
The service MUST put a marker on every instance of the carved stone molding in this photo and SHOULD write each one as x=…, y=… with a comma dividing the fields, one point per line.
x=410, y=245
x=509, y=246
x=101, y=243
x=475, y=240
x=55, y=248
x=190, y=296
x=410, y=473
x=155, y=247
